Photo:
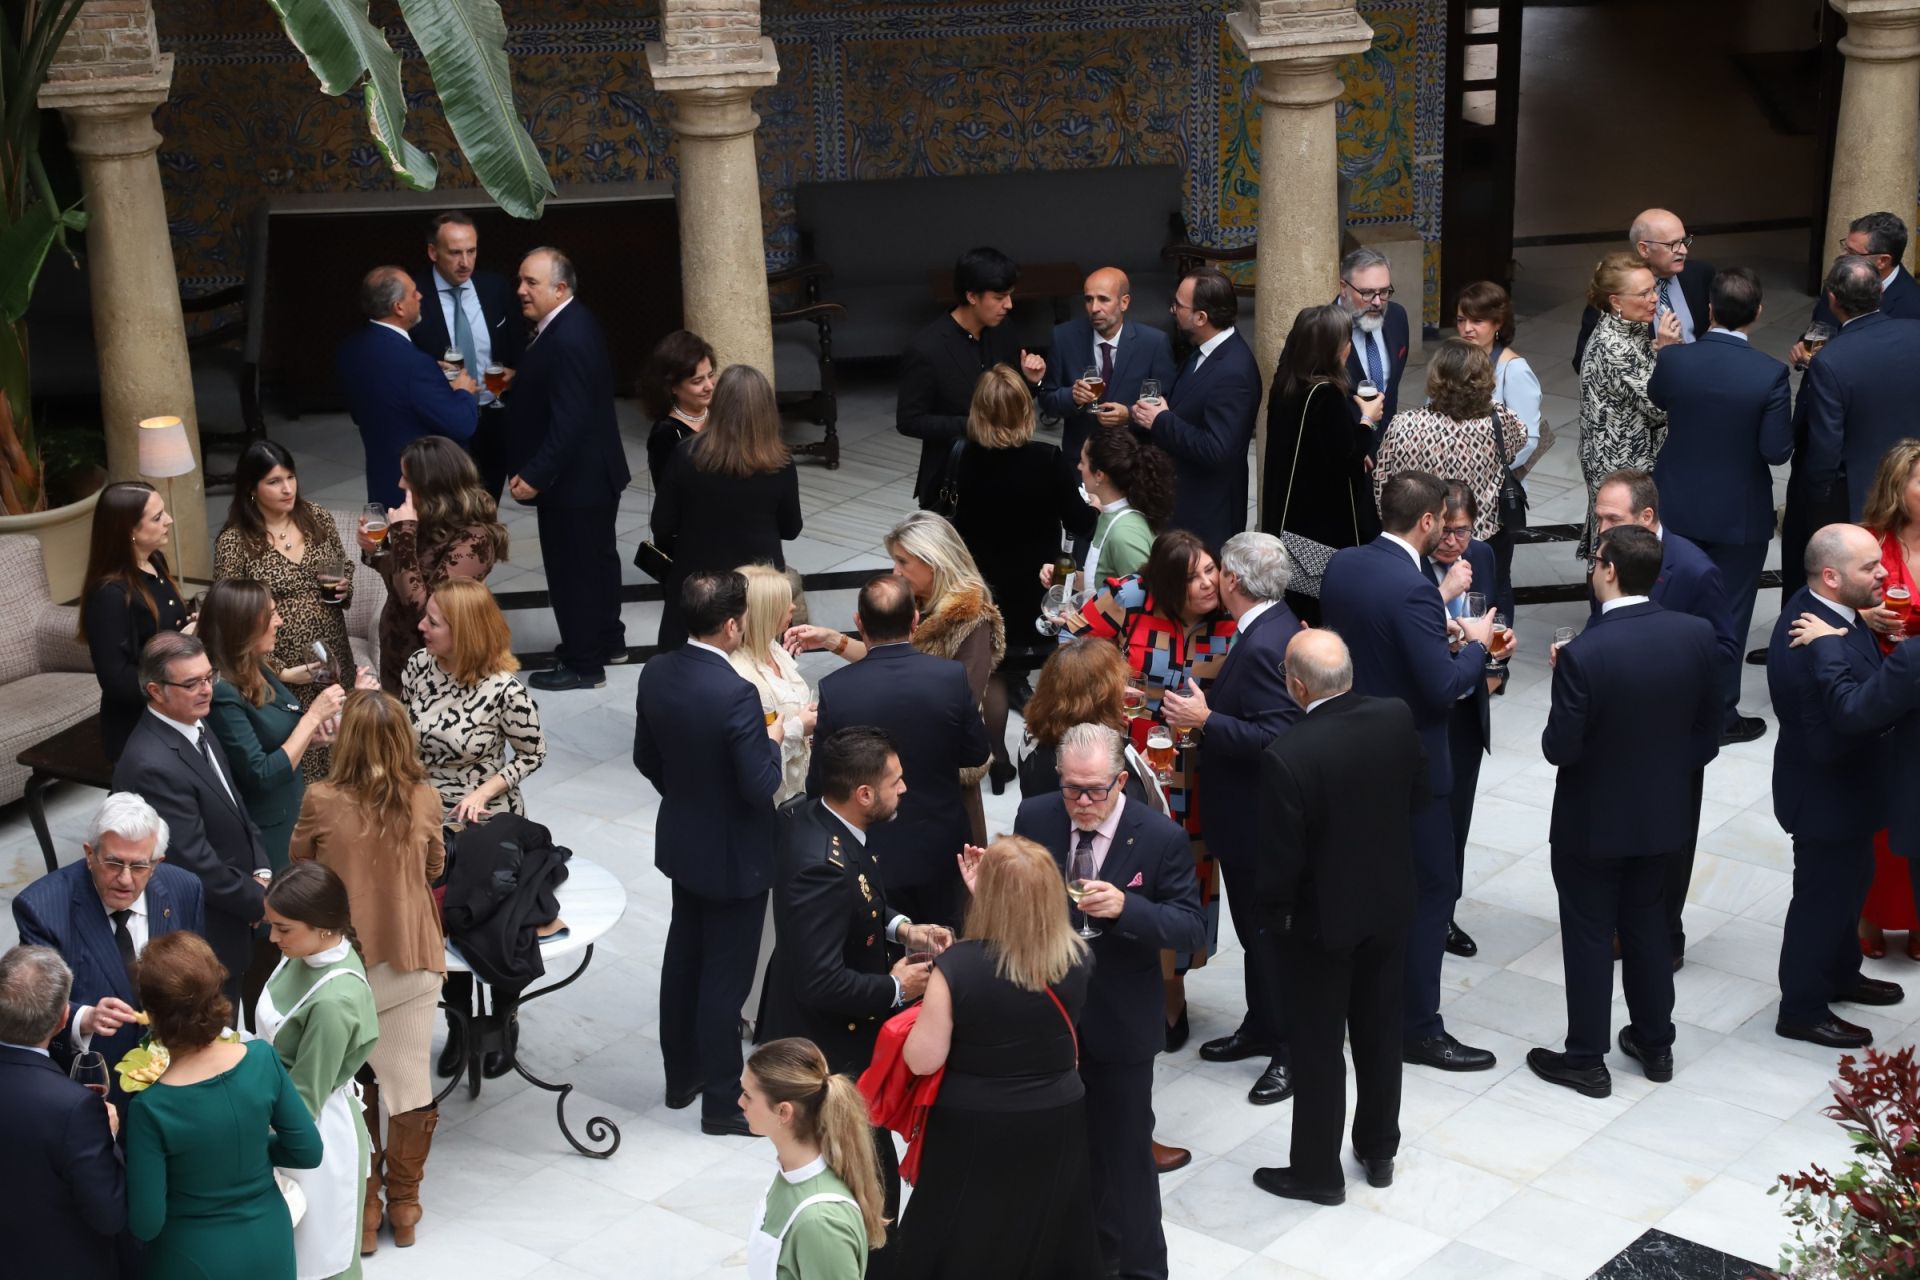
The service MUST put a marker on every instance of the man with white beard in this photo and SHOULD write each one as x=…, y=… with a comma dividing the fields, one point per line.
x=1380, y=332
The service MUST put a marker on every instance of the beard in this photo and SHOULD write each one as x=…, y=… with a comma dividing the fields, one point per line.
x=1369, y=322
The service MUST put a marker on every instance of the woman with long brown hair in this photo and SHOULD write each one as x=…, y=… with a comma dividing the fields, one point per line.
x=129, y=595
x=375, y=822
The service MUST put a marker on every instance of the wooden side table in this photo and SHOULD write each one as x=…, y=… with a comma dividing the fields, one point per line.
x=74, y=754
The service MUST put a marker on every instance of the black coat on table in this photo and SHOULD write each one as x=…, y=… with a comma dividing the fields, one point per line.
x=714, y=521
x=1140, y=352
x=1729, y=418
x=1206, y=428
x=938, y=371
x=118, y=625
x=1696, y=282
x=1013, y=505
x=63, y=1189
x=1858, y=395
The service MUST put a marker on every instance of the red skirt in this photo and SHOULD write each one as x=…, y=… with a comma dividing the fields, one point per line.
x=1890, y=901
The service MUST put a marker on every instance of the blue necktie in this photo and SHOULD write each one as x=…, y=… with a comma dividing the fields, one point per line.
x=1371, y=357
x=463, y=332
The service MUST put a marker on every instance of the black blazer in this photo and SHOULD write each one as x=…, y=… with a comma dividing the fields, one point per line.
x=1151, y=860
x=700, y=738
x=1250, y=709
x=923, y=704
x=63, y=1190
x=1899, y=298
x=1858, y=395
x=562, y=435
x=1398, y=332
x=828, y=979
x=118, y=627
x=1826, y=772
x=1013, y=504
x=209, y=832
x=1890, y=699
x=1339, y=790
x=1206, y=427
x=1729, y=418
x=1317, y=483
x=506, y=326
x=938, y=371
x=1696, y=283
x=1144, y=352
x=1635, y=721
x=720, y=522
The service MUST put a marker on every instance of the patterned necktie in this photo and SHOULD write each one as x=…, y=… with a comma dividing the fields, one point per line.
x=463, y=332
x=123, y=939
x=1106, y=363
x=1666, y=296
x=1371, y=356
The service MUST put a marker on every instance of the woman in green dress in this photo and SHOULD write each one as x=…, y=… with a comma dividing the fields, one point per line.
x=203, y=1140
x=255, y=716
x=317, y=1011
x=1131, y=484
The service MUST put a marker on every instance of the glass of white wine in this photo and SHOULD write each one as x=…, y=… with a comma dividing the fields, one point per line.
x=1079, y=873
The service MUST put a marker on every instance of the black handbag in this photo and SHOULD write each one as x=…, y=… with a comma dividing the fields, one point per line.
x=1512, y=499
x=649, y=559
x=946, y=499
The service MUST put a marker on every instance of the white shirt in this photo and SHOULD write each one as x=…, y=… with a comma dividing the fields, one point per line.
x=1378, y=341
x=701, y=644
x=1102, y=835
x=1621, y=602
x=192, y=732
x=1210, y=346
x=547, y=319
x=1321, y=702
x=1246, y=619
x=388, y=324
x=1113, y=342
x=137, y=930
x=1093, y=548
x=1889, y=278
x=476, y=318
x=811, y=1169
x=1677, y=303
x=1735, y=333
x=1846, y=611
x=1405, y=546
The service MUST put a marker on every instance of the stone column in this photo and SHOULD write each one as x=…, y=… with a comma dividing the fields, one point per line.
x=1878, y=135
x=106, y=81
x=1296, y=44
x=709, y=63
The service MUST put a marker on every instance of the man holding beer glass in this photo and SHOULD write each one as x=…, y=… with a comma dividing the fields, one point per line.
x=1095, y=365
x=476, y=316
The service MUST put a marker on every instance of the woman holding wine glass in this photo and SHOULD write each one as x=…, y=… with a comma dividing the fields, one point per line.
x=129, y=596
x=1130, y=484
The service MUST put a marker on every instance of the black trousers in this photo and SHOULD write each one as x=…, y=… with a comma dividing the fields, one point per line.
x=1266, y=1021
x=880, y=1261
x=705, y=975
x=1466, y=750
x=1436, y=889
x=1740, y=565
x=1600, y=897
x=1338, y=993
x=1126, y=1186
x=1500, y=591
x=583, y=582
x=1679, y=878
x=1819, y=950
x=489, y=449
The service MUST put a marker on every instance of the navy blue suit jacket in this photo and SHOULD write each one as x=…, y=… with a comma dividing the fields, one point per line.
x=1635, y=719
x=1390, y=615
x=562, y=435
x=1899, y=298
x=506, y=326
x=1250, y=708
x=1860, y=393
x=1826, y=774
x=1144, y=352
x=1888, y=699
x=1729, y=417
x=1206, y=427
x=700, y=738
x=396, y=394
x=924, y=704
x=63, y=1190
x=1396, y=329
x=1123, y=1020
x=1691, y=583
x=1480, y=556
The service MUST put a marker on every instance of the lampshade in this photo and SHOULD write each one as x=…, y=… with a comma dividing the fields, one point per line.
x=164, y=450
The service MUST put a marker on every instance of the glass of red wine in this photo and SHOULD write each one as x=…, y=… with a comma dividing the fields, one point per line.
x=89, y=1069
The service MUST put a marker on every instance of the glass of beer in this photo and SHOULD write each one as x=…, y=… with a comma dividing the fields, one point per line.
x=333, y=576
x=1900, y=600
x=496, y=376
x=1150, y=389
x=455, y=359
x=1816, y=337
x=1366, y=390
x=1095, y=383
x=1502, y=641
x=1160, y=752
x=771, y=714
x=1134, y=701
x=373, y=521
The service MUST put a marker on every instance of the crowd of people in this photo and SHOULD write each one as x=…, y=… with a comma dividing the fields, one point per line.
x=1196, y=698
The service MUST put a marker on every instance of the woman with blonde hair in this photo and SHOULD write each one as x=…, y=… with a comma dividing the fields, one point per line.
x=824, y=1212
x=1008, y=1130
x=1619, y=426
x=763, y=661
x=375, y=822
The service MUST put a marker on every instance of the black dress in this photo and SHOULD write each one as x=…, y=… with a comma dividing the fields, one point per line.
x=118, y=625
x=1013, y=503
x=1331, y=499
x=716, y=521
x=661, y=442
x=1003, y=1188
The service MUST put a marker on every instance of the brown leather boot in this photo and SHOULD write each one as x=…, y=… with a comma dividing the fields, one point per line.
x=409, y=1138
x=370, y=1214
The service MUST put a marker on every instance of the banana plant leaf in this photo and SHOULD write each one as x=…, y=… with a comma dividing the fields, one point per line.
x=344, y=48
x=23, y=247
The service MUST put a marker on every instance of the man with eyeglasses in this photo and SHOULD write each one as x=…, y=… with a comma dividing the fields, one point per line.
x=1380, y=328
x=1881, y=238
x=1143, y=898
x=99, y=914
x=174, y=762
x=1681, y=280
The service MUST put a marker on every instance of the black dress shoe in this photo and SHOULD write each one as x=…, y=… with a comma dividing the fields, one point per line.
x=1274, y=1085
x=1379, y=1171
x=1177, y=1032
x=1756, y=657
x=564, y=679
x=1872, y=991
x=619, y=657
x=454, y=1055
x=1447, y=1054
x=500, y=1061
x=1280, y=1182
x=733, y=1126
x=1000, y=773
x=1656, y=1063
x=1234, y=1048
x=1458, y=943
x=1743, y=729
x=1835, y=1033
x=681, y=1101
x=1595, y=1082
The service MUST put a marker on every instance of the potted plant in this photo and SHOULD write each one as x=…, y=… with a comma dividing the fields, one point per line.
x=1865, y=1220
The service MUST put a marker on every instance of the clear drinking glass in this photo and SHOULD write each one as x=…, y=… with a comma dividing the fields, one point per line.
x=1150, y=389
x=1160, y=752
x=373, y=521
x=1502, y=631
x=1079, y=871
x=89, y=1069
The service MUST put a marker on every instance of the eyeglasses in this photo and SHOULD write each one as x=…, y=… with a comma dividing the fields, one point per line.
x=1671, y=246
x=198, y=682
x=1095, y=794
x=1370, y=295
x=1177, y=305
x=116, y=867
x=1456, y=531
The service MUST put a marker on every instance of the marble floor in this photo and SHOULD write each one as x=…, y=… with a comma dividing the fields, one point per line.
x=1500, y=1176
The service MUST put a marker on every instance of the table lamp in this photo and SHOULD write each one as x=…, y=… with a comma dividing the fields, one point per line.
x=165, y=452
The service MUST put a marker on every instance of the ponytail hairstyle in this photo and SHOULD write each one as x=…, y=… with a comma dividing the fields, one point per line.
x=313, y=894
x=828, y=1110
x=1142, y=472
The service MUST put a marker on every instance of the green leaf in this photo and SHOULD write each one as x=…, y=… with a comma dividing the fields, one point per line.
x=343, y=47
x=465, y=43
x=23, y=247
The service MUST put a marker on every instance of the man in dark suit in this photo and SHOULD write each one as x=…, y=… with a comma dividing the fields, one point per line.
x=99, y=913
x=1729, y=418
x=394, y=391
x=1859, y=392
x=1144, y=899
x=475, y=313
x=1634, y=724
x=1828, y=793
x=1381, y=331
x=1683, y=281
x=1125, y=354
x=1207, y=422
x=1380, y=597
x=1881, y=238
x=1888, y=701
x=700, y=739
x=924, y=706
x=1246, y=708
x=176, y=765
x=565, y=456
x=940, y=366
x=65, y=1191
x=1336, y=887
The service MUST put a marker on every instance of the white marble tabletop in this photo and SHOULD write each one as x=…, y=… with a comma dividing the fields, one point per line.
x=591, y=902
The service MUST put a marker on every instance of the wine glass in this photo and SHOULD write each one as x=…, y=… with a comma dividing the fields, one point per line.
x=1079, y=872
x=1476, y=605
x=1502, y=635
x=1134, y=700
x=373, y=521
x=325, y=672
x=1150, y=389
x=90, y=1069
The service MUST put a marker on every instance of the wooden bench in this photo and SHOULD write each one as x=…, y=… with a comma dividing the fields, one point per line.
x=75, y=754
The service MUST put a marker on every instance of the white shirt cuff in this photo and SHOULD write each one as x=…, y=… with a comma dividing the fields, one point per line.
x=80, y=1040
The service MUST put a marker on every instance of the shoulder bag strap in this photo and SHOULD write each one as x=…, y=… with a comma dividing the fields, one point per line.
x=1302, y=435
x=1051, y=995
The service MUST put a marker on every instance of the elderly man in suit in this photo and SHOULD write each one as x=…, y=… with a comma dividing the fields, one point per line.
x=1682, y=280
x=396, y=392
x=1381, y=331
x=176, y=764
x=1380, y=597
x=65, y=1195
x=565, y=457
x=1246, y=708
x=1858, y=393
x=924, y=706
x=700, y=739
x=1881, y=238
x=1144, y=899
x=100, y=913
x=1124, y=353
x=1636, y=713
x=1336, y=886
x=473, y=312
x=1829, y=792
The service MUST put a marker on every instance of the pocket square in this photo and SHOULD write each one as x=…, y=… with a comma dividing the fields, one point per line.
x=1136, y=882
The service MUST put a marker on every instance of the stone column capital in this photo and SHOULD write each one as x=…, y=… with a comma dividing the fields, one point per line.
x=673, y=74
x=109, y=118
x=1297, y=55
x=1880, y=30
